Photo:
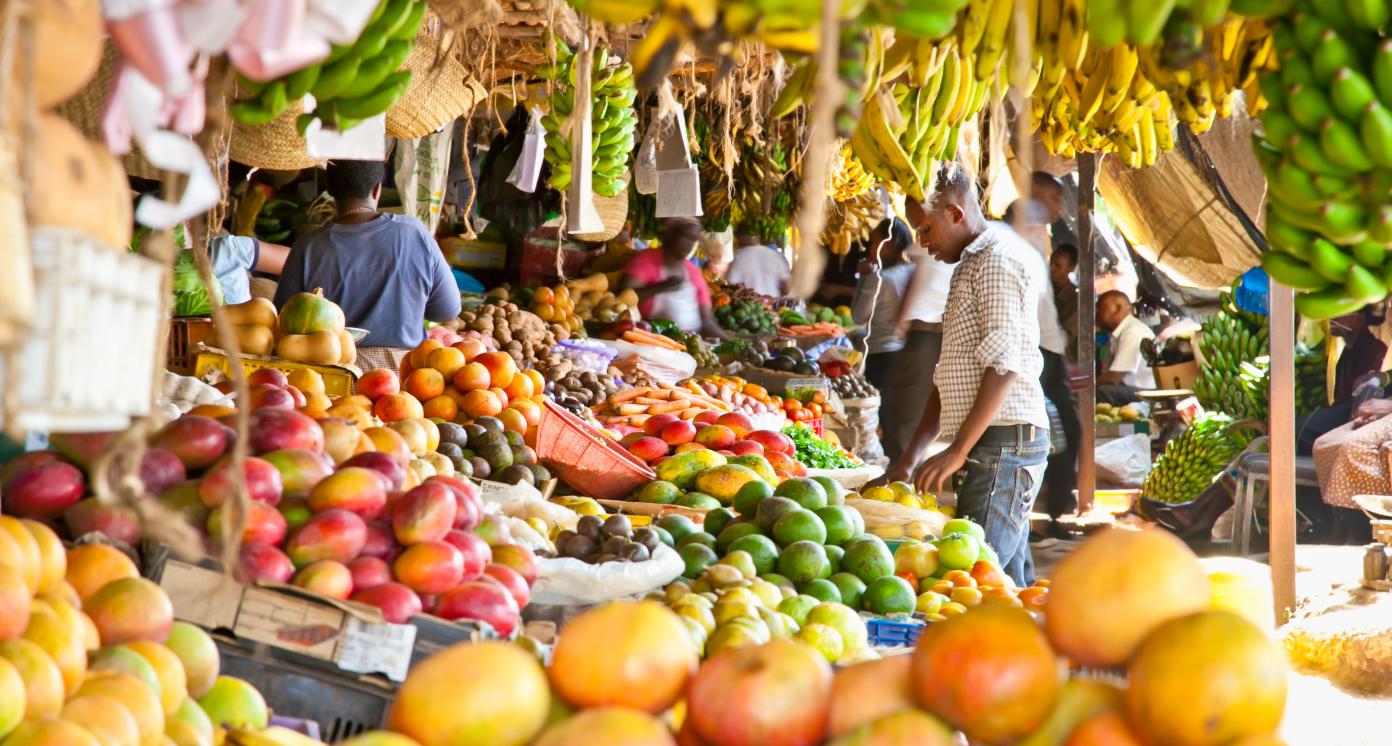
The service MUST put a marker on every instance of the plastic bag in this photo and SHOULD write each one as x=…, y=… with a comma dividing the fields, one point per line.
x=894, y=521
x=564, y=581
x=586, y=354
x=665, y=366
x=528, y=167
x=853, y=478
x=1125, y=461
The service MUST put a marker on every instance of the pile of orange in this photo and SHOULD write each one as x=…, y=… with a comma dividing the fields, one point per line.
x=555, y=306
x=465, y=381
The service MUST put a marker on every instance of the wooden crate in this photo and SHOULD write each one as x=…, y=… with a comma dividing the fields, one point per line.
x=184, y=336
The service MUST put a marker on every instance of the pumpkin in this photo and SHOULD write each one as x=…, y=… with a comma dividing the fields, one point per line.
x=254, y=339
x=349, y=347
x=257, y=311
x=320, y=348
x=307, y=313
x=68, y=37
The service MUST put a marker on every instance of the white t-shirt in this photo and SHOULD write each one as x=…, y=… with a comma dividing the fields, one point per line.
x=927, y=293
x=760, y=268
x=1125, y=351
x=1051, y=336
x=881, y=309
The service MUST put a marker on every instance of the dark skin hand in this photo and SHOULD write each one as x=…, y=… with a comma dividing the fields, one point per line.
x=1371, y=410
x=936, y=473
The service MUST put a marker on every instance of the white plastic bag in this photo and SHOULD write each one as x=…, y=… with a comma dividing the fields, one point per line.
x=527, y=169
x=1124, y=461
x=564, y=581
x=894, y=521
x=665, y=366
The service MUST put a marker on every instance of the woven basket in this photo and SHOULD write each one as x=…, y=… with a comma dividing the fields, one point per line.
x=276, y=145
x=613, y=212
x=440, y=91
x=85, y=112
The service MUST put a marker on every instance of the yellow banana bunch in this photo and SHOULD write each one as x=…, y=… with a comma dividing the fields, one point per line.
x=851, y=220
x=850, y=179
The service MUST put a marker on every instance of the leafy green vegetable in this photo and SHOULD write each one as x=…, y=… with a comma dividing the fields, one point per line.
x=190, y=295
x=814, y=452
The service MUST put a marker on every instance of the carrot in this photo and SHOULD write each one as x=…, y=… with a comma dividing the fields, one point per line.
x=633, y=409
x=649, y=400
x=687, y=414
x=638, y=336
x=633, y=393
x=668, y=406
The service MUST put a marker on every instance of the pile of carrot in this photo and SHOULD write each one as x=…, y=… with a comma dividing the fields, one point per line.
x=634, y=406
x=640, y=337
x=819, y=329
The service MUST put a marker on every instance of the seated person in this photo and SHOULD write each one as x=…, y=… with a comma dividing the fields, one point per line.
x=1356, y=376
x=234, y=258
x=759, y=267
x=384, y=270
x=669, y=285
x=1127, y=372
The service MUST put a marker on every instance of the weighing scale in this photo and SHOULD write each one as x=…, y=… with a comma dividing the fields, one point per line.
x=1377, y=556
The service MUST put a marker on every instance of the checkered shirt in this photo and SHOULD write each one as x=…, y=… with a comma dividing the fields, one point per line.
x=991, y=320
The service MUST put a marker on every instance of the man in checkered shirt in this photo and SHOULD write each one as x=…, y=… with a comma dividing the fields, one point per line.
x=987, y=402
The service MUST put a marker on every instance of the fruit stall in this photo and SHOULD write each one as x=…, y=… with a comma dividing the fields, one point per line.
x=560, y=520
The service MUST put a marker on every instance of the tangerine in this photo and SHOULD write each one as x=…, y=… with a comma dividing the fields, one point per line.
x=425, y=383
x=443, y=407
x=481, y=404
x=472, y=377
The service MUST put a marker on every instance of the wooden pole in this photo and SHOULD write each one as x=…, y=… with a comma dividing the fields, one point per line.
x=1281, y=497
x=1087, y=322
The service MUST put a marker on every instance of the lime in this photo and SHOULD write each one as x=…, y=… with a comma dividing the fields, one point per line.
x=677, y=525
x=824, y=640
x=733, y=531
x=840, y=524
x=807, y=492
x=716, y=520
x=868, y=558
x=697, y=537
x=773, y=508
x=761, y=550
x=821, y=589
x=750, y=495
x=802, y=561
x=697, y=558
x=799, y=525
x=889, y=595
x=851, y=588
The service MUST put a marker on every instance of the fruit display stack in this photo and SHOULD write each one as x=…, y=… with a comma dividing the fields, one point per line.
x=517, y=331
x=597, y=540
x=748, y=398
x=355, y=82
x=1230, y=338
x=1325, y=148
x=748, y=317
x=309, y=329
x=992, y=675
x=958, y=572
x=459, y=383
x=612, y=119
x=704, y=465
x=1194, y=458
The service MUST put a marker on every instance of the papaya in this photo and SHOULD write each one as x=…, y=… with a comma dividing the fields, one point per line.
x=257, y=312
x=683, y=468
x=307, y=313
x=320, y=348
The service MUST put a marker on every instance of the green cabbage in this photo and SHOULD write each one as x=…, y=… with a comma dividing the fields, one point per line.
x=190, y=296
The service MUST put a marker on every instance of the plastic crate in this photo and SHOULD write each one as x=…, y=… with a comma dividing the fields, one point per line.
x=184, y=336
x=584, y=458
x=338, y=379
x=895, y=633
x=343, y=707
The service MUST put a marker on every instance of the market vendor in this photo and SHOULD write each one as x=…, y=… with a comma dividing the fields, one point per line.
x=669, y=284
x=1063, y=260
x=759, y=267
x=1357, y=376
x=884, y=276
x=986, y=402
x=1127, y=372
x=384, y=270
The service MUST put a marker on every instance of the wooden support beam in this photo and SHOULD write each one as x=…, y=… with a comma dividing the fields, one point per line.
x=1087, y=323
x=1281, y=417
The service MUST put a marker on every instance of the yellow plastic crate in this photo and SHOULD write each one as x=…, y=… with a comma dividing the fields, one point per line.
x=338, y=379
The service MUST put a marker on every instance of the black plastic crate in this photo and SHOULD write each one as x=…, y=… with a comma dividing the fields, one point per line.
x=342, y=705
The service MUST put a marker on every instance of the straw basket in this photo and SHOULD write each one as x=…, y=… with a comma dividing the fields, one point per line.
x=440, y=91
x=276, y=145
x=613, y=212
x=85, y=112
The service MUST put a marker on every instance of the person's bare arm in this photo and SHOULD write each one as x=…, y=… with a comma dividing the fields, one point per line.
x=647, y=291
x=938, y=470
x=1111, y=376
x=270, y=257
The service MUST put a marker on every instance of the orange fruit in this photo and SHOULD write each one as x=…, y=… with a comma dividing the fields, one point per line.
x=393, y=407
x=425, y=383
x=538, y=382
x=500, y=365
x=446, y=360
x=419, y=357
x=91, y=566
x=543, y=295
x=390, y=441
x=443, y=407
x=513, y=420
x=531, y=412
x=471, y=348
x=472, y=377
x=481, y=404
x=502, y=395
x=520, y=388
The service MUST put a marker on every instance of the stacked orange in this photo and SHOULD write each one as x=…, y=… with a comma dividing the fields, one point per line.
x=554, y=306
x=465, y=381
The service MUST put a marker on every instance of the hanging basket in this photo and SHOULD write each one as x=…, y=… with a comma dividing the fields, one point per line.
x=440, y=91
x=275, y=145
x=613, y=212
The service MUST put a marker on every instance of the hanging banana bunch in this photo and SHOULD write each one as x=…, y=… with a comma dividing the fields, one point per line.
x=850, y=221
x=355, y=82
x=765, y=190
x=848, y=179
x=612, y=120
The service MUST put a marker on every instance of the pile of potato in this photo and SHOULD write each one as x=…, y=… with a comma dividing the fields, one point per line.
x=576, y=388
x=518, y=332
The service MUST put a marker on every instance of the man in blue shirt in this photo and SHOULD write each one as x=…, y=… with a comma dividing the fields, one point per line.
x=384, y=270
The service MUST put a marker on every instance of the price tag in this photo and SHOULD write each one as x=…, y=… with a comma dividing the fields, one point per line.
x=377, y=648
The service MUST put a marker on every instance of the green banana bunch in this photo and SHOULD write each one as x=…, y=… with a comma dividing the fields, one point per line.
x=764, y=189
x=1326, y=150
x=1229, y=340
x=919, y=19
x=612, y=120
x=275, y=223
x=1194, y=458
x=355, y=82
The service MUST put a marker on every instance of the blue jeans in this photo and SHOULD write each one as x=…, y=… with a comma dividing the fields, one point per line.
x=1004, y=472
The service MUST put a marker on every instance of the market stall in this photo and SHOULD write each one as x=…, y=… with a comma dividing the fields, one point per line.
x=588, y=491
